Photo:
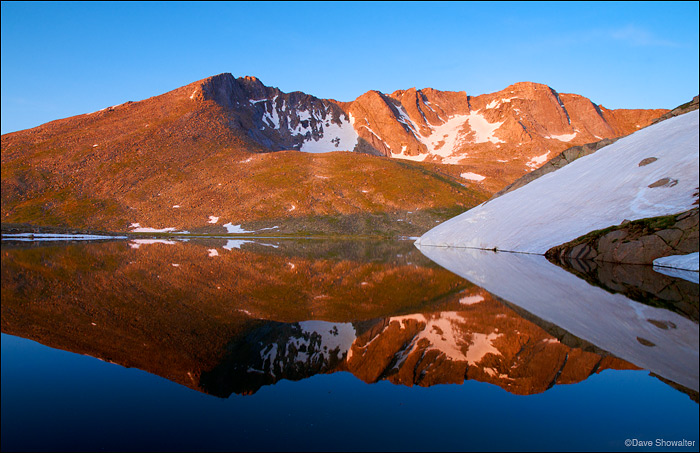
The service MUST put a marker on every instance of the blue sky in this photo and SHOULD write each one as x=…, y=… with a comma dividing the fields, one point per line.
x=63, y=59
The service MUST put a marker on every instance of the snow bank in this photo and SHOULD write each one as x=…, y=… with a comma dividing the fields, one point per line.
x=688, y=262
x=593, y=192
x=610, y=321
x=681, y=266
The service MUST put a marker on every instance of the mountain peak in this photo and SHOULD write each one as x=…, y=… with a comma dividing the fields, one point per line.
x=527, y=87
x=251, y=80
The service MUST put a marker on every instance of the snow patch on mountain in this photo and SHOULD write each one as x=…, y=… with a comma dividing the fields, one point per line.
x=236, y=229
x=447, y=137
x=563, y=137
x=496, y=103
x=537, y=160
x=472, y=176
x=483, y=130
x=335, y=137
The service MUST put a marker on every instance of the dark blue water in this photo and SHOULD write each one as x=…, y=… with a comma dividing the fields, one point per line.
x=55, y=400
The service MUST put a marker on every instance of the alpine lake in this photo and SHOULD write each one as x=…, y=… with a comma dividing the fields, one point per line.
x=250, y=344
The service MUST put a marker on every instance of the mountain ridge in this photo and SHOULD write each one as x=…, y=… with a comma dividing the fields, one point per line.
x=228, y=147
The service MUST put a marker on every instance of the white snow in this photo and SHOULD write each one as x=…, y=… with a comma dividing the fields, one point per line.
x=176, y=206
x=471, y=300
x=687, y=262
x=691, y=276
x=447, y=137
x=334, y=336
x=152, y=230
x=493, y=104
x=481, y=345
x=402, y=155
x=236, y=229
x=537, y=160
x=593, y=192
x=450, y=132
x=446, y=333
x=236, y=243
x=483, y=130
x=563, y=137
x=213, y=219
x=681, y=266
x=271, y=117
x=213, y=252
x=472, y=176
x=373, y=133
x=442, y=141
x=136, y=243
x=610, y=321
x=320, y=339
x=335, y=137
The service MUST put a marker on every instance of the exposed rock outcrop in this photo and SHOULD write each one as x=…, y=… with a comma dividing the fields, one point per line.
x=637, y=242
x=640, y=283
x=680, y=110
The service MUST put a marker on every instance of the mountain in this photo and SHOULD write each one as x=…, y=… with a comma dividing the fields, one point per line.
x=226, y=148
x=522, y=125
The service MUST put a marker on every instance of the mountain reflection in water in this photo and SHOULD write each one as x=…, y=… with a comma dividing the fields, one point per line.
x=231, y=316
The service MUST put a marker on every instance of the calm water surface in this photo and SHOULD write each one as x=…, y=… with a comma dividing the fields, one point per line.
x=339, y=345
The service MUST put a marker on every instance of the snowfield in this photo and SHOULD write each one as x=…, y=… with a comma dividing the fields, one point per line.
x=593, y=192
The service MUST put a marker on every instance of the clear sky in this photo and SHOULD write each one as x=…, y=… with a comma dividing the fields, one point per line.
x=64, y=59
